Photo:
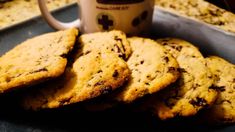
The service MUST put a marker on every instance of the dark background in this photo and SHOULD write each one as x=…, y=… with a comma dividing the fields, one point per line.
x=226, y=4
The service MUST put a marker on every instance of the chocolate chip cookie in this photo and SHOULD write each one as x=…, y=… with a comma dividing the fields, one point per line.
x=153, y=68
x=113, y=41
x=36, y=60
x=193, y=91
x=223, y=110
x=91, y=75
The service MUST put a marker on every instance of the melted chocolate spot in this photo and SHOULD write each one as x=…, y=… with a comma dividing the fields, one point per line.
x=115, y=74
x=166, y=59
x=99, y=71
x=87, y=52
x=221, y=88
x=117, y=38
x=142, y=62
x=147, y=84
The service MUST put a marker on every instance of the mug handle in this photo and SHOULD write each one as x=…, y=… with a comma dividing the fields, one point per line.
x=53, y=22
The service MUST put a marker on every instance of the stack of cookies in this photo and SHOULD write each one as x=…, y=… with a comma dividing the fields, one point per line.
x=179, y=80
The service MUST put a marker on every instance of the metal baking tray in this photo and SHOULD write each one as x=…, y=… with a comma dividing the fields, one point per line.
x=211, y=41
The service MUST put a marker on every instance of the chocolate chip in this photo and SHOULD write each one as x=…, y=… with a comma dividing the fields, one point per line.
x=147, y=83
x=172, y=6
x=123, y=56
x=166, y=59
x=164, y=43
x=106, y=90
x=87, y=52
x=119, y=52
x=179, y=48
x=198, y=102
x=117, y=38
x=217, y=88
x=142, y=62
x=210, y=77
x=115, y=74
x=99, y=71
x=176, y=47
x=233, y=78
x=136, y=64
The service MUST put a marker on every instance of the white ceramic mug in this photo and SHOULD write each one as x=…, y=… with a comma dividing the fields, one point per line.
x=131, y=16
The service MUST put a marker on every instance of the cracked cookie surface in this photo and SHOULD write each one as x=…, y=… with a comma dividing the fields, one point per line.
x=153, y=68
x=192, y=91
x=223, y=111
x=36, y=60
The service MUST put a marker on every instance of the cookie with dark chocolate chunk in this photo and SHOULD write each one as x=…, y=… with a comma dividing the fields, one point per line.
x=36, y=60
x=192, y=91
x=90, y=76
x=153, y=68
x=113, y=41
x=223, y=110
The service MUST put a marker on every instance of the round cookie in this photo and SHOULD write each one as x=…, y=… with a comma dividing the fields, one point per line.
x=36, y=60
x=193, y=91
x=91, y=75
x=112, y=41
x=153, y=68
x=223, y=110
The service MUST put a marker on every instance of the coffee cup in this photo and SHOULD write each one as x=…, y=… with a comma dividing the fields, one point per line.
x=131, y=16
